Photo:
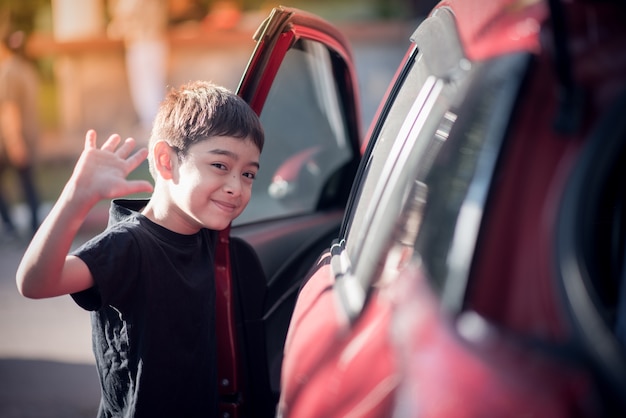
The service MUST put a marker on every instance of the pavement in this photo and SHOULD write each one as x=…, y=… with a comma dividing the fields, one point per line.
x=47, y=368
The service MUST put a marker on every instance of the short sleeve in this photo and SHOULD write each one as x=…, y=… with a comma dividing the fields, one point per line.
x=113, y=259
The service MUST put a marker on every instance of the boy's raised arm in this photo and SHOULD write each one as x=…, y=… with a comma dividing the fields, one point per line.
x=46, y=270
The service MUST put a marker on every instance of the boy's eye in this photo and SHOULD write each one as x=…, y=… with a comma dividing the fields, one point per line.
x=219, y=165
x=251, y=176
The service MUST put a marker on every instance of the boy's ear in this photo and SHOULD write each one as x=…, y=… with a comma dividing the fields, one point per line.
x=164, y=160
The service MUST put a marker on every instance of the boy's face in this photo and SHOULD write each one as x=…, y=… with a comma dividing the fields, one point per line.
x=213, y=182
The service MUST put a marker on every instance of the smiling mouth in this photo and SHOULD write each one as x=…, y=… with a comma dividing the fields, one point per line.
x=226, y=207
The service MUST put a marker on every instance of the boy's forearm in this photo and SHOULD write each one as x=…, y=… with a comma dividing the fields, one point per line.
x=100, y=173
x=40, y=271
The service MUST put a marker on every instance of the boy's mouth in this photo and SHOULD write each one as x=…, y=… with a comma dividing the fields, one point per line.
x=225, y=206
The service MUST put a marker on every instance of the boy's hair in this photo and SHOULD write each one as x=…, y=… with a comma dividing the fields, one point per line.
x=199, y=110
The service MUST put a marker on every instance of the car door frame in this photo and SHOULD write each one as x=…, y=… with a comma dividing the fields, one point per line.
x=243, y=383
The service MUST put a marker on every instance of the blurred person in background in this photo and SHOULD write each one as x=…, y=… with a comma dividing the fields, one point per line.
x=142, y=25
x=19, y=126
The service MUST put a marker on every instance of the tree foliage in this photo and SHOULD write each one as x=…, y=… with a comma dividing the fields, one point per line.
x=20, y=14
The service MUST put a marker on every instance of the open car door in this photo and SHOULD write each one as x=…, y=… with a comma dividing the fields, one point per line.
x=301, y=81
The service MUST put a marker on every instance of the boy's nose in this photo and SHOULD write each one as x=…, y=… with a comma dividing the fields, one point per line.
x=233, y=185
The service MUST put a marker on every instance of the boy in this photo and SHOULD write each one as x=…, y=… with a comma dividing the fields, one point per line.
x=149, y=277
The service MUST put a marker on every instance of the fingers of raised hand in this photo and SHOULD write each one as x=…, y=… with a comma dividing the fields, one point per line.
x=90, y=139
x=126, y=148
x=134, y=160
x=111, y=143
x=138, y=186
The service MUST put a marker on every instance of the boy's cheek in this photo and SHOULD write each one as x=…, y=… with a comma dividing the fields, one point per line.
x=247, y=196
x=245, y=203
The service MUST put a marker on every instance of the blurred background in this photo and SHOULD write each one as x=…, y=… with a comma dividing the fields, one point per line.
x=80, y=50
x=84, y=82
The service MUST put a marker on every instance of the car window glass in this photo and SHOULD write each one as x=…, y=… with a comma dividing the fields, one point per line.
x=408, y=140
x=306, y=136
x=395, y=181
x=434, y=196
x=460, y=177
x=405, y=99
x=410, y=108
x=406, y=189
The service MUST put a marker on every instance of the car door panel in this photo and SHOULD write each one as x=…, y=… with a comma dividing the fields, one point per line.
x=300, y=80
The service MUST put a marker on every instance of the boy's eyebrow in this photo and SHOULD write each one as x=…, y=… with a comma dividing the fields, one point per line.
x=230, y=154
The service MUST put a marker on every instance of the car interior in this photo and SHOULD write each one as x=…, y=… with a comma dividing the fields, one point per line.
x=591, y=250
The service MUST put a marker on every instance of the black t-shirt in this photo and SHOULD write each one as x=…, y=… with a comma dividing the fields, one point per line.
x=153, y=316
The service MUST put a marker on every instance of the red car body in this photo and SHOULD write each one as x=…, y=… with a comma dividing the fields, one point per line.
x=522, y=334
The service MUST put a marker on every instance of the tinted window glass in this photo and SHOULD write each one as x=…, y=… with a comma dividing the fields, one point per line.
x=428, y=175
x=435, y=187
x=460, y=178
x=409, y=138
x=366, y=203
x=406, y=137
x=306, y=136
x=403, y=185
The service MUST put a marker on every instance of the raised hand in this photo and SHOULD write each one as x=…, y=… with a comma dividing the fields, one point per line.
x=100, y=173
x=46, y=269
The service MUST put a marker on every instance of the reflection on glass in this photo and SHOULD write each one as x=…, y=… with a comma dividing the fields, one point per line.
x=306, y=136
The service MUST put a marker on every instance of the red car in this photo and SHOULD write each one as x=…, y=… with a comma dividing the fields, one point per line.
x=465, y=258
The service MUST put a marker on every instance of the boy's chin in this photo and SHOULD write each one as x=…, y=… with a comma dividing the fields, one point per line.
x=219, y=225
x=218, y=220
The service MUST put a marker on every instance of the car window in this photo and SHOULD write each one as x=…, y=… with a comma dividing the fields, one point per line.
x=306, y=137
x=377, y=156
x=430, y=194
x=413, y=130
x=429, y=80
x=386, y=195
x=427, y=178
x=460, y=177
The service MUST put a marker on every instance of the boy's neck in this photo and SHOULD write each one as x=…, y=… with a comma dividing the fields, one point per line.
x=162, y=212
